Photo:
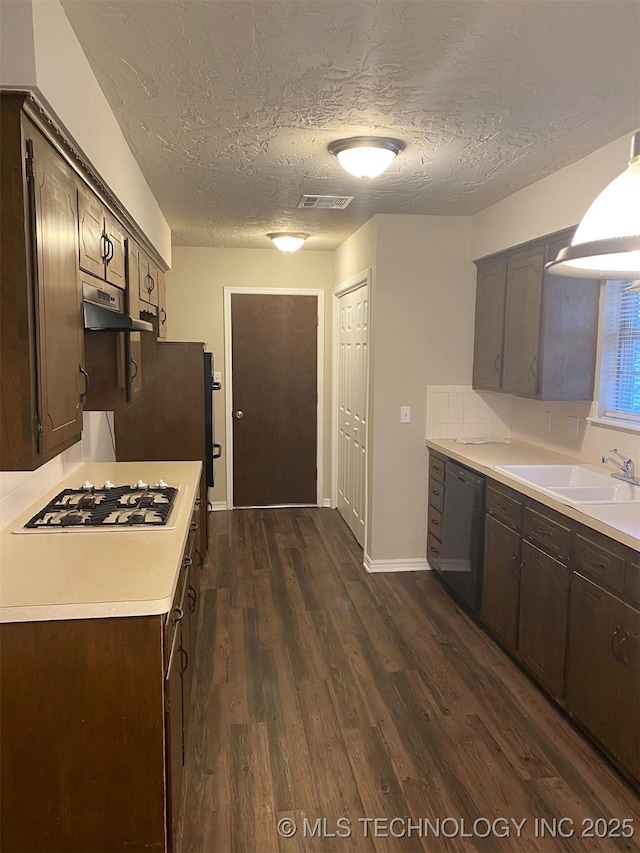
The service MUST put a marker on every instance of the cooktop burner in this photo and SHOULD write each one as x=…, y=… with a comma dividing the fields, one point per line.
x=108, y=507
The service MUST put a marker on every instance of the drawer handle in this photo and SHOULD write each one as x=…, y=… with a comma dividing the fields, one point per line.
x=435, y=492
x=179, y=613
x=434, y=551
x=186, y=562
x=593, y=565
x=623, y=660
x=542, y=530
x=435, y=522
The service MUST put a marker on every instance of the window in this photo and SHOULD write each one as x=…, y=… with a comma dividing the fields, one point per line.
x=620, y=368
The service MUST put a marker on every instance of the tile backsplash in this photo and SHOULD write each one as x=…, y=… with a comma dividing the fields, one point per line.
x=457, y=411
x=19, y=489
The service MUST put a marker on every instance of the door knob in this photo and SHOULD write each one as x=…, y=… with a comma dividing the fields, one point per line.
x=239, y=414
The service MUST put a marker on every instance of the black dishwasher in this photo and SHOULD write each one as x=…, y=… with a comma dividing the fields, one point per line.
x=462, y=551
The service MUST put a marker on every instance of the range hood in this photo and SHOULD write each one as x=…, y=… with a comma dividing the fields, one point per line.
x=103, y=310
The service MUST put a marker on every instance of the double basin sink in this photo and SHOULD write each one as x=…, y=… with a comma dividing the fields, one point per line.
x=576, y=484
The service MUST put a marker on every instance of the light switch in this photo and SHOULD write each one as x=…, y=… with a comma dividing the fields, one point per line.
x=405, y=414
x=572, y=426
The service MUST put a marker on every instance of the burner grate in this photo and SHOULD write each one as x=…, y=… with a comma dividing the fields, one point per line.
x=119, y=506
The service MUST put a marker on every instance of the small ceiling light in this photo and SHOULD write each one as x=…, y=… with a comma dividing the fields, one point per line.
x=607, y=241
x=366, y=156
x=288, y=241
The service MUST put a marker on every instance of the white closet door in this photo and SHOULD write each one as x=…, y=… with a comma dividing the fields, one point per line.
x=352, y=408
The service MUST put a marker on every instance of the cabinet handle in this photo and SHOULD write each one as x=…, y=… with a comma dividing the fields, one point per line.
x=496, y=363
x=193, y=526
x=515, y=570
x=104, y=251
x=135, y=364
x=110, y=251
x=186, y=562
x=533, y=366
x=593, y=565
x=193, y=598
x=179, y=613
x=185, y=659
x=434, y=551
x=83, y=395
x=151, y=283
x=435, y=492
x=613, y=642
x=198, y=501
x=623, y=660
x=164, y=316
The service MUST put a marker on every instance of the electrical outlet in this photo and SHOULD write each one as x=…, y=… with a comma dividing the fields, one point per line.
x=547, y=421
x=572, y=426
x=405, y=414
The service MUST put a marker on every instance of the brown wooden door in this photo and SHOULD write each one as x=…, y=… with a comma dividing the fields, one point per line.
x=523, y=307
x=591, y=681
x=501, y=584
x=91, y=230
x=115, y=263
x=544, y=603
x=274, y=363
x=487, y=348
x=627, y=653
x=60, y=351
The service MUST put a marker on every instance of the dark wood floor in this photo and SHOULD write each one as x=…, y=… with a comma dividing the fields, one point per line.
x=325, y=692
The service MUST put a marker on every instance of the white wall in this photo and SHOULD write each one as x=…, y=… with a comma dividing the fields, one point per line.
x=38, y=31
x=195, y=287
x=422, y=310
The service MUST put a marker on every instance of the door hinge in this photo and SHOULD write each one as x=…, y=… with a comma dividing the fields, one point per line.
x=29, y=161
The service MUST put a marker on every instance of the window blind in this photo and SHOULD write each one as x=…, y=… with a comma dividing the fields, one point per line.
x=621, y=351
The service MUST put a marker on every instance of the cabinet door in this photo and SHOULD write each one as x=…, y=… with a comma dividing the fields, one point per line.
x=115, y=261
x=162, y=303
x=523, y=306
x=591, y=677
x=626, y=650
x=133, y=277
x=487, y=348
x=59, y=309
x=501, y=583
x=174, y=734
x=91, y=232
x=544, y=602
x=153, y=285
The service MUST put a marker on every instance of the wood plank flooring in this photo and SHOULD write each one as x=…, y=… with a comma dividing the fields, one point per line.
x=324, y=693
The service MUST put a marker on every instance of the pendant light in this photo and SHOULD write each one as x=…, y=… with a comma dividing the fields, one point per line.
x=607, y=241
x=366, y=156
x=288, y=241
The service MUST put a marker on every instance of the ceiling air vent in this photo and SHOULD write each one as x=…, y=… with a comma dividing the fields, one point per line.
x=325, y=202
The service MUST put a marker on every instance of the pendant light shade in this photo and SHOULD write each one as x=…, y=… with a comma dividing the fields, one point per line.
x=366, y=156
x=607, y=241
x=288, y=241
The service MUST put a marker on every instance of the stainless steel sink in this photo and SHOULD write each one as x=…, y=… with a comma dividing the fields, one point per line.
x=575, y=483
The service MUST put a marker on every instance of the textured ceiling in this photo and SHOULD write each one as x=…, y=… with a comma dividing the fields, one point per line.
x=229, y=106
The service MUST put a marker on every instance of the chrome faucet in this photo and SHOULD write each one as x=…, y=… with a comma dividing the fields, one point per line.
x=625, y=465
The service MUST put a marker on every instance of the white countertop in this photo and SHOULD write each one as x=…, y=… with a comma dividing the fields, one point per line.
x=95, y=573
x=618, y=521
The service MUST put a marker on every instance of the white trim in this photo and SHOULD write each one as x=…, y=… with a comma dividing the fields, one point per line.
x=616, y=423
x=217, y=506
x=228, y=373
x=417, y=564
x=361, y=280
x=326, y=503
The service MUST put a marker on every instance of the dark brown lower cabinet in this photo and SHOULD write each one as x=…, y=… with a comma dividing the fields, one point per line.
x=603, y=670
x=501, y=586
x=544, y=602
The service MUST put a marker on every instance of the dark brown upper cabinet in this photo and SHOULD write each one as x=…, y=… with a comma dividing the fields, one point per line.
x=535, y=333
x=43, y=379
x=101, y=240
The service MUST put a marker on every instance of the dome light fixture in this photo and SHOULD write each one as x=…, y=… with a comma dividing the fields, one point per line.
x=288, y=241
x=607, y=241
x=366, y=156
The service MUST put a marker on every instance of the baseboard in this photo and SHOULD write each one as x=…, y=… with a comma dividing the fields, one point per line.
x=415, y=564
x=326, y=503
x=217, y=506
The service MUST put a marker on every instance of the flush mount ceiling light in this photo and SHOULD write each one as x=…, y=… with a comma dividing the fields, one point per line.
x=366, y=156
x=288, y=241
x=607, y=241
